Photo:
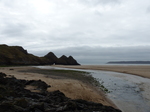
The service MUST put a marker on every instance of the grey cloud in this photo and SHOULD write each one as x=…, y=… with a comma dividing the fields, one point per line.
x=14, y=29
x=75, y=27
x=101, y=55
x=97, y=2
x=148, y=9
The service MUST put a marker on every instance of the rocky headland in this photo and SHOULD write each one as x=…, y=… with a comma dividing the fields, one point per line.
x=17, y=55
x=14, y=97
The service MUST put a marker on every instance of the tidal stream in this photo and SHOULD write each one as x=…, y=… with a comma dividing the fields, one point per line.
x=129, y=93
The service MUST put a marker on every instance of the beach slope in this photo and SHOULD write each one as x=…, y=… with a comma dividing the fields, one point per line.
x=72, y=88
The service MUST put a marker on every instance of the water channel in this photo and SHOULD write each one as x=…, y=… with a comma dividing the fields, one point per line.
x=129, y=93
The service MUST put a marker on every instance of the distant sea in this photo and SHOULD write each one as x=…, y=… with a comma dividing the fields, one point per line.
x=105, y=64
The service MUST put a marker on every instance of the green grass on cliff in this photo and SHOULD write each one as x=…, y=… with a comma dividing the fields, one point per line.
x=8, y=51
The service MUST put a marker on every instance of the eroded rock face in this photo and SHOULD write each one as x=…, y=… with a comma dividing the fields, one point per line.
x=42, y=86
x=14, y=98
x=72, y=61
x=52, y=57
x=17, y=55
x=64, y=60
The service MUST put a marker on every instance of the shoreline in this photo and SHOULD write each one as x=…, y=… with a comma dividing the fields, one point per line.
x=136, y=77
x=72, y=88
x=142, y=71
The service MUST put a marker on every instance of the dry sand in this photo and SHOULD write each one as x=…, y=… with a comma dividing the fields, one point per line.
x=140, y=70
x=71, y=88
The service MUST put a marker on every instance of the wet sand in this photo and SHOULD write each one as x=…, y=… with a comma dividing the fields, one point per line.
x=135, y=90
x=71, y=88
x=139, y=70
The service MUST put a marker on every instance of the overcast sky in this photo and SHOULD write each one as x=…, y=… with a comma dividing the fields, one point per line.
x=92, y=31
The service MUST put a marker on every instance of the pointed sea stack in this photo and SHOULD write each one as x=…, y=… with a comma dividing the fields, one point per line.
x=17, y=55
x=72, y=61
x=63, y=60
x=51, y=57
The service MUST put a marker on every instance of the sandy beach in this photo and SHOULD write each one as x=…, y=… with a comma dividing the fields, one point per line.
x=76, y=89
x=139, y=70
x=73, y=89
x=138, y=88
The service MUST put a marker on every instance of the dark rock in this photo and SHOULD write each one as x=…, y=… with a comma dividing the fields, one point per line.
x=39, y=84
x=2, y=75
x=37, y=106
x=72, y=61
x=52, y=57
x=17, y=55
x=21, y=102
x=63, y=60
x=14, y=98
x=11, y=69
x=21, y=49
x=8, y=106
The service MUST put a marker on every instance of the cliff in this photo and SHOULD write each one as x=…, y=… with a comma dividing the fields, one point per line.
x=51, y=57
x=66, y=60
x=63, y=60
x=17, y=55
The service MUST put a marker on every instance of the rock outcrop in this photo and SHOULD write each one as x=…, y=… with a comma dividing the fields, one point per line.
x=15, y=98
x=51, y=57
x=63, y=60
x=16, y=55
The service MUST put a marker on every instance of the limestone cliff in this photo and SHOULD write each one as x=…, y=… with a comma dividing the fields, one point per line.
x=17, y=55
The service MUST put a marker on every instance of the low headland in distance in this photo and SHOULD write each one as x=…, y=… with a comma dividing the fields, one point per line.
x=128, y=62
